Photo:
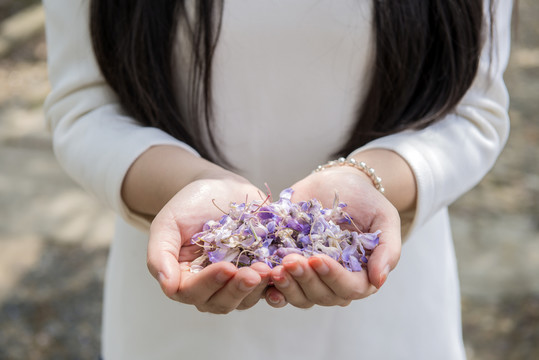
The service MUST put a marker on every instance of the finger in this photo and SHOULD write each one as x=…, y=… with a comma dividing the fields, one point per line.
x=289, y=288
x=275, y=298
x=259, y=292
x=386, y=255
x=232, y=294
x=198, y=288
x=346, y=285
x=313, y=287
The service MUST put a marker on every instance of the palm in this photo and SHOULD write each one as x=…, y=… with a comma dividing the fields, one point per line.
x=369, y=209
x=220, y=287
x=197, y=203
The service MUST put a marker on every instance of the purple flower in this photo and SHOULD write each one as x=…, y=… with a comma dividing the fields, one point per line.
x=349, y=250
x=222, y=254
x=282, y=252
x=319, y=226
x=270, y=226
x=286, y=194
x=262, y=252
x=260, y=232
x=266, y=213
x=370, y=240
x=354, y=264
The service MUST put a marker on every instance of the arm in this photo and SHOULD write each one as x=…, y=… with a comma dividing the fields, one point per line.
x=94, y=140
x=422, y=172
x=111, y=155
x=451, y=156
x=178, y=196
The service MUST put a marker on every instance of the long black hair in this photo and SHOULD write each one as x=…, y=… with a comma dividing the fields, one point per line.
x=426, y=57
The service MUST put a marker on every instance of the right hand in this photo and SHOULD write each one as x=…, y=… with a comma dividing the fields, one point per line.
x=220, y=287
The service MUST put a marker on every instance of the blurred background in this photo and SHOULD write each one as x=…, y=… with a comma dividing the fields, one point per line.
x=54, y=237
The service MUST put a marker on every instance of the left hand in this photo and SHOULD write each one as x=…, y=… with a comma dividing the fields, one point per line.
x=320, y=279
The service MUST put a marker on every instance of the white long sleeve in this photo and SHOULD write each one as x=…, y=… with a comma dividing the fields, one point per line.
x=453, y=155
x=94, y=141
x=287, y=79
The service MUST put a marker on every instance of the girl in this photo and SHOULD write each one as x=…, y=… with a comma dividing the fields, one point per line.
x=161, y=107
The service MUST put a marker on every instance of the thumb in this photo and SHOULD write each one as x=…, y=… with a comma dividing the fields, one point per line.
x=163, y=252
x=386, y=255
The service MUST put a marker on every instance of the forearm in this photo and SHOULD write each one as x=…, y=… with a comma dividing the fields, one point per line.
x=159, y=173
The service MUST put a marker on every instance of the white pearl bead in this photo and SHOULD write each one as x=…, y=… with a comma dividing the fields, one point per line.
x=376, y=180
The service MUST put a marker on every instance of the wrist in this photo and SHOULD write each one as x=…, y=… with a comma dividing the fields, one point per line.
x=398, y=178
x=215, y=172
x=358, y=165
x=158, y=174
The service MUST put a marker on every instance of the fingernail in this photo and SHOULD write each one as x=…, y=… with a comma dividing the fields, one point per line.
x=222, y=277
x=319, y=265
x=274, y=298
x=281, y=281
x=245, y=287
x=161, y=277
x=384, y=275
x=294, y=268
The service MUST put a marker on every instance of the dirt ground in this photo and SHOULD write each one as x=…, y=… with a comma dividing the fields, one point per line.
x=54, y=237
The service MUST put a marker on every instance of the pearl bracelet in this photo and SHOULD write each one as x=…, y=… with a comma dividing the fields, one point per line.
x=377, y=181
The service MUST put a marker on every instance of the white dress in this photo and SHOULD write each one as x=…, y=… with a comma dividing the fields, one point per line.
x=288, y=76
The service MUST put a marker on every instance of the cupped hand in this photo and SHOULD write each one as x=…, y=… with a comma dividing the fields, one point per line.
x=320, y=279
x=220, y=287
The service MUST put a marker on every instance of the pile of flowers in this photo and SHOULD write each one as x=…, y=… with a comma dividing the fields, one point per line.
x=266, y=232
